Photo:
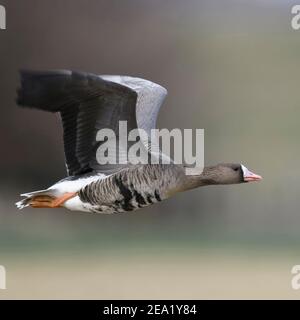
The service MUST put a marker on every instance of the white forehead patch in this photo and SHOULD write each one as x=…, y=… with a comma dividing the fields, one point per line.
x=246, y=172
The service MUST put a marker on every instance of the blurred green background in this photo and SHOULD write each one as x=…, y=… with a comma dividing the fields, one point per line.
x=230, y=67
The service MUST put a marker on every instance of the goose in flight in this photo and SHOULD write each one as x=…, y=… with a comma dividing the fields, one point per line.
x=87, y=103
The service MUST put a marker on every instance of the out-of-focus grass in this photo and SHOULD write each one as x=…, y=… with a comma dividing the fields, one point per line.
x=145, y=274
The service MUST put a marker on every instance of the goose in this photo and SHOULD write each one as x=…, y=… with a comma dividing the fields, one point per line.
x=87, y=103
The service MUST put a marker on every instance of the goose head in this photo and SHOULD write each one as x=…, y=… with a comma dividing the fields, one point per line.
x=228, y=173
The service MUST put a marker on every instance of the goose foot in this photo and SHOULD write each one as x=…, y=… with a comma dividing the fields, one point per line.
x=44, y=201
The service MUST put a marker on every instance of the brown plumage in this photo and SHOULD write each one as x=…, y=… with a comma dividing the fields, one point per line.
x=88, y=103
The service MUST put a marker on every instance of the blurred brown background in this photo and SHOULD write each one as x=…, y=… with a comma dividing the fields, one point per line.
x=230, y=67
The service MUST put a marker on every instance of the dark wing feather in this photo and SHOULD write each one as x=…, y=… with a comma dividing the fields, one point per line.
x=150, y=97
x=86, y=103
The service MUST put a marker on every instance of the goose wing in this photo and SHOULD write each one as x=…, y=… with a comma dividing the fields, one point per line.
x=88, y=103
x=150, y=97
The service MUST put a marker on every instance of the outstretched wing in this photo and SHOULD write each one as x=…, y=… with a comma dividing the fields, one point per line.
x=88, y=103
x=150, y=97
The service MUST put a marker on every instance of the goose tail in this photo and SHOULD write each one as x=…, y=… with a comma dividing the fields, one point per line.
x=23, y=203
x=30, y=195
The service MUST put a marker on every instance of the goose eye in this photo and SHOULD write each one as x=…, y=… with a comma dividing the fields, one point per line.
x=236, y=169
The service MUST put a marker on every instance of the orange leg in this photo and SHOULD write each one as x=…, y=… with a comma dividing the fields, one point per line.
x=51, y=202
